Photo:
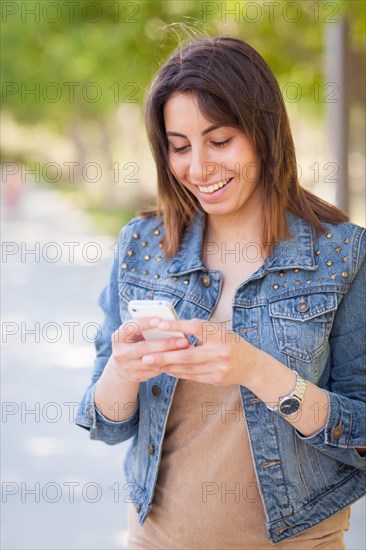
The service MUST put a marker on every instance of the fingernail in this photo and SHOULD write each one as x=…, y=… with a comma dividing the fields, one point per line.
x=148, y=359
x=182, y=342
x=163, y=325
x=154, y=322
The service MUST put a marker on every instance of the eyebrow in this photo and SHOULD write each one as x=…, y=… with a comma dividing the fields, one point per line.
x=206, y=131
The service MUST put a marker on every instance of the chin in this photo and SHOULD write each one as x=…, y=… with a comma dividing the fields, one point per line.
x=215, y=209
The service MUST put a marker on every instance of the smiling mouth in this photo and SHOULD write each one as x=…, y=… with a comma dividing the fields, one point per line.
x=208, y=189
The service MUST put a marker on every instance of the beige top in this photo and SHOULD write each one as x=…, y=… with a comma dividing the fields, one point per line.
x=206, y=495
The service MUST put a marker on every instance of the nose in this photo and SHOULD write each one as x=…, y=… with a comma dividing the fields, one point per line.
x=200, y=164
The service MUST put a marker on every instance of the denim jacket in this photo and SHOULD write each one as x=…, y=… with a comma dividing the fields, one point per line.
x=305, y=307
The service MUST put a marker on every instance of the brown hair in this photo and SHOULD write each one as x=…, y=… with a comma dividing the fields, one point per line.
x=234, y=86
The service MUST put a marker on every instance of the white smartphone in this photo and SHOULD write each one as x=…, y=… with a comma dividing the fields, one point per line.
x=155, y=308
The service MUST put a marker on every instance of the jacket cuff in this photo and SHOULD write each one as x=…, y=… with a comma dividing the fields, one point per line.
x=336, y=437
x=338, y=426
x=100, y=427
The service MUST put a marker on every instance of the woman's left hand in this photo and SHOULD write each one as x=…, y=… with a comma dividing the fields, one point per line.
x=221, y=357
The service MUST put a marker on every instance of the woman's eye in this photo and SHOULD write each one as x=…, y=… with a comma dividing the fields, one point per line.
x=179, y=149
x=221, y=143
x=217, y=144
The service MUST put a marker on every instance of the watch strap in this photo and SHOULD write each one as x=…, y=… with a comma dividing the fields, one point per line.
x=298, y=393
x=300, y=388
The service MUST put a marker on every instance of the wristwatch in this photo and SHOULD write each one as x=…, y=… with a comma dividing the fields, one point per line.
x=291, y=403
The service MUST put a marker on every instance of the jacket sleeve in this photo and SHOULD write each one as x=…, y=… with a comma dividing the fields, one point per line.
x=88, y=416
x=345, y=428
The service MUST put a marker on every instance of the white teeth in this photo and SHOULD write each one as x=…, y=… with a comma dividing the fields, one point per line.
x=215, y=187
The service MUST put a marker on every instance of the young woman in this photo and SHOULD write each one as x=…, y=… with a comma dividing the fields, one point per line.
x=250, y=431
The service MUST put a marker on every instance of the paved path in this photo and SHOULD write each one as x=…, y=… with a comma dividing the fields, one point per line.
x=75, y=481
x=61, y=491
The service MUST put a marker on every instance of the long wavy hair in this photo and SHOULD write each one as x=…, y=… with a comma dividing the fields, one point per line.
x=234, y=87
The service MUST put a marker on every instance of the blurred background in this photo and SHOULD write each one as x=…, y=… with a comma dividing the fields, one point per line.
x=76, y=165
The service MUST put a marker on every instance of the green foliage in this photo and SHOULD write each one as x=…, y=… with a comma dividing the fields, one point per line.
x=83, y=58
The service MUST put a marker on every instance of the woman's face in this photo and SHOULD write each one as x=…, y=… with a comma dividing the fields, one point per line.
x=218, y=164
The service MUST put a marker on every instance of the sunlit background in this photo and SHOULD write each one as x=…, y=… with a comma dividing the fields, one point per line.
x=76, y=165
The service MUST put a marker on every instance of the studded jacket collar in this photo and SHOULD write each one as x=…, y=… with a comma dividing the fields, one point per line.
x=304, y=307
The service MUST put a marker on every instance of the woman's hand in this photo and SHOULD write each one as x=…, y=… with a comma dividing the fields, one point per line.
x=221, y=357
x=129, y=346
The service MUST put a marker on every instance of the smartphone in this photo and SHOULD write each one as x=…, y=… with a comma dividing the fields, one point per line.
x=155, y=308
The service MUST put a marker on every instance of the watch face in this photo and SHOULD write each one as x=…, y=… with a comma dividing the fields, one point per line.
x=289, y=406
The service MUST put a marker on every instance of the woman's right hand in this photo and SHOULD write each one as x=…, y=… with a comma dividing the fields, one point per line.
x=129, y=346
x=117, y=388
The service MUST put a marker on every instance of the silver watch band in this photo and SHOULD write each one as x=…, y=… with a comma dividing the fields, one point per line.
x=297, y=393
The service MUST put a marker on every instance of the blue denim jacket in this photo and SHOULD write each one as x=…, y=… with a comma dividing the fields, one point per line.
x=302, y=480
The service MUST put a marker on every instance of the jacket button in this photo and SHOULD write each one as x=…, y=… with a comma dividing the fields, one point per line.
x=205, y=280
x=337, y=431
x=155, y=390
x=138, y=507
x=255, y=400
x=91, y=414
x=302, y=306
x=280, y=531
x=150, y=449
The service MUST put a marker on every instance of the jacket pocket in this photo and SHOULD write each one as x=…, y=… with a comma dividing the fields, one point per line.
x=302, y=323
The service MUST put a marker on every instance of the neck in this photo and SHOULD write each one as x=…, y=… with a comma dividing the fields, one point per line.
x=248, y=229
x=233, y=242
